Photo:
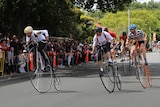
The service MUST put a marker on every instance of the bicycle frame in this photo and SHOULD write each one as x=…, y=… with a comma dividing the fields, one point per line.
x=110, y=78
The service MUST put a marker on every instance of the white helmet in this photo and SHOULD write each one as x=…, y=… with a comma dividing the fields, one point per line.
x=28, y=29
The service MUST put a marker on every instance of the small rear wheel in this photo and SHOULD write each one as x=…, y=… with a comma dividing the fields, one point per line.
x=57, y=81
x=118, y=78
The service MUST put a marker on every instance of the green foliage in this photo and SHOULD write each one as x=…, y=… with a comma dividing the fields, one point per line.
x=144, y=19
x=60, y=17
x=90, y=39
x=103, y=5
x=150, y=5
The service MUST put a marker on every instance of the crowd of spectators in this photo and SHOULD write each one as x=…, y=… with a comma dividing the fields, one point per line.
x=68, y=53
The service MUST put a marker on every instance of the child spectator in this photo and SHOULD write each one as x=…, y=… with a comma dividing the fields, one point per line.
x=21, y=62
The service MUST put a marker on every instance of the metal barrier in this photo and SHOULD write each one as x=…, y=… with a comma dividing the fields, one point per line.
x=2, y=58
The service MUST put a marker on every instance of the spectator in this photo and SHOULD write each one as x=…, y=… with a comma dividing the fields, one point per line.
x=21, y=62
x=10, y=61
x=4, y=48
x=14, y=43
x=68, y=53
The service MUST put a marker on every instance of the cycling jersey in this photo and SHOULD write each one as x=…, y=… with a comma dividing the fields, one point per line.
x=138, y=35
x=112, y=34
x=123, y=37
x=104, y=38
x=38, y=35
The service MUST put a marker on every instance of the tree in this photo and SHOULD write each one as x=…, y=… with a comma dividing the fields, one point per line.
x=58, y=16
x=103, y=5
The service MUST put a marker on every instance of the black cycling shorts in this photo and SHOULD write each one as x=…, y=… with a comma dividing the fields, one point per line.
x=106, y=49
x=139, y=42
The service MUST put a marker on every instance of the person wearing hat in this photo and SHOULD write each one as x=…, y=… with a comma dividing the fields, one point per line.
x=36, y=35
x=39, y=36
x=134, y=35
x=106, y=40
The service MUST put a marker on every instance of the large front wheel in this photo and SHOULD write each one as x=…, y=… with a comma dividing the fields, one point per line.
x=40, y=71
x=108, y=79
x=141, y=70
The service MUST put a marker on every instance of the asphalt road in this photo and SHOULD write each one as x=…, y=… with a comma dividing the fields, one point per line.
x=81, y=87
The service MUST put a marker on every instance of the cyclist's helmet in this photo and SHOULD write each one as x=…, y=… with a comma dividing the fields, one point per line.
x=28, y=29
x=124, y=33
x=98, y=29
x=132, y=27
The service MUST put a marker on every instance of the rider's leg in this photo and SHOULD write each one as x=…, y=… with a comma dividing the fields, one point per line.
x=113, y=53
x=132, y=53
x=143, y=50
x=40, y=48
x=100, y=61
x=100, y=65
x=108, y=55
x=107, y=50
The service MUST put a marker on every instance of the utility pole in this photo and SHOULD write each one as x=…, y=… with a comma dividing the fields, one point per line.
x=128, y=19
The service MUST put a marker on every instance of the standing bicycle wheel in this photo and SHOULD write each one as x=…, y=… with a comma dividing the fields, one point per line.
x=141, y=71
x=40, y=70
x=108, y=78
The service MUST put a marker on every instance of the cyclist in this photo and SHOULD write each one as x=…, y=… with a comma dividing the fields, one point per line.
x=40, y=36
x=36, y=35
x=106, y=40
x=139, y=35
x=124, y=39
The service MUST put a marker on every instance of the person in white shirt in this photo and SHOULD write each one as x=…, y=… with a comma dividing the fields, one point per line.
x=40, y=36
x=106, y=40
x=139, y=35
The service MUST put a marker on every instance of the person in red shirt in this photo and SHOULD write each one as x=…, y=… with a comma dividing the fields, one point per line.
x=111, y=33
x=3, y=45
x=124, y=39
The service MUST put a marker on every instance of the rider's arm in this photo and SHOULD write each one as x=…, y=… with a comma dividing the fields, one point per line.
x=145, y=38
x=27, y=40
x=45, y=32
x=127, y=40
x=94, y=44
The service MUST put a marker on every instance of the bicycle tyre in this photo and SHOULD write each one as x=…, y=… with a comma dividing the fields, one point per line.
x=40, y=79
x=149, y=78
x=141, y=70
x=57, y=81
x=108, y=78
x=118, y=80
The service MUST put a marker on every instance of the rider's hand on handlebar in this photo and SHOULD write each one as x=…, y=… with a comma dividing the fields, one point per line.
x=92, y=52
x=111, y=46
